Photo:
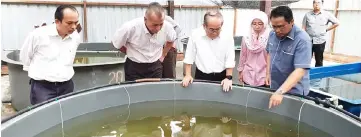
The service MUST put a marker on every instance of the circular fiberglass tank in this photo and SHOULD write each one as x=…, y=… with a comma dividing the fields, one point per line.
x=84, y=111
x=95, y=64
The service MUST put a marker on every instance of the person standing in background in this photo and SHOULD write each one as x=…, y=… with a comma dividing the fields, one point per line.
x=48, y=54
x=169, y=62
x=315, y=23
x=253, y=58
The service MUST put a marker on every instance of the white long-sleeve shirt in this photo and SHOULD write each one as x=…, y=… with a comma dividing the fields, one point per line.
x=210, y=56
x=46, y=56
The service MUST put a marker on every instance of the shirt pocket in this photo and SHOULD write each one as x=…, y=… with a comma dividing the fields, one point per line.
x=322, y=20
x=157, y=42
x=69, y=54
x=311, y=20
x=47, y=50
x=285, y=60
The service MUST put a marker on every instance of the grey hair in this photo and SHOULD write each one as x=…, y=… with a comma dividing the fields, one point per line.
x=155, y=8
x=212, y=13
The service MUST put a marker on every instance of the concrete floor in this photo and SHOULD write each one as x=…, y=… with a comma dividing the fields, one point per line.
x=6, y=108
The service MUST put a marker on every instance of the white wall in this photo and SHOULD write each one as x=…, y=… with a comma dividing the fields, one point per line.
x=18, y=20
x=347, y=38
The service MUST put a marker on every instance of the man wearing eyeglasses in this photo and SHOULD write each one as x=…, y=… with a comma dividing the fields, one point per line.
x=212, y=51
x=289, y=56
x=315, y=23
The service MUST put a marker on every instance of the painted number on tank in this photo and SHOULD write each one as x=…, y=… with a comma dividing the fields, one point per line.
x=115, y=77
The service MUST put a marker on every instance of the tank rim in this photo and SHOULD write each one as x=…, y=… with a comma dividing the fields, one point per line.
x=288, y=95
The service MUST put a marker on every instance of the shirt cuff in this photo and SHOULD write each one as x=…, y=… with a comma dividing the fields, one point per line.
x=25, y=68
x=188, y=61
x=230, y=64
x=302, y=65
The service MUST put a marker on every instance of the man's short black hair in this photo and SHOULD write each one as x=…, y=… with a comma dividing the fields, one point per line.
x=59, y=14
x=282, y=11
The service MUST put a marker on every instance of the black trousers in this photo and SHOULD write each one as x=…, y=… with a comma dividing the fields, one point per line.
x=43, y=90
x=134, y=70
x=211, y=77
x=169, y=64
x=317, y=50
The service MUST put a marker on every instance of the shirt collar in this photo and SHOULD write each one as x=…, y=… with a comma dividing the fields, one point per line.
x=145, y=27
x=203, y=33
x=313, y=13
x=54, y=32
x=291, y=34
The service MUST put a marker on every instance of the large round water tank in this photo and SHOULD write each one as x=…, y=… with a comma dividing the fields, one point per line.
x=95, y=64
x=34, y=121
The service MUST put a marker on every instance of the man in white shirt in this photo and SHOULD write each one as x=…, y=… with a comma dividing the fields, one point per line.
x=48, y=54
x=212, y=51
x=144, y=38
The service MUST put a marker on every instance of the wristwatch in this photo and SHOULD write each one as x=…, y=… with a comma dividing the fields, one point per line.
x=229, y=77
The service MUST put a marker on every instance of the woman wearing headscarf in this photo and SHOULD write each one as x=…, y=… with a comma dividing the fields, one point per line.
x=252, y=62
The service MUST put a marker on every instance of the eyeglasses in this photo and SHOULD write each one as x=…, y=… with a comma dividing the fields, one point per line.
x=281, y=27
x=318, y=2
x=214, y=30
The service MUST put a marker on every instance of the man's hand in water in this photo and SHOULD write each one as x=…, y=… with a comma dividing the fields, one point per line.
x=225, y=119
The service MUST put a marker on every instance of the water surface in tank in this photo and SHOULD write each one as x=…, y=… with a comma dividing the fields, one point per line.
x=182, y=119
x=86, y=57
x=98, y=57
